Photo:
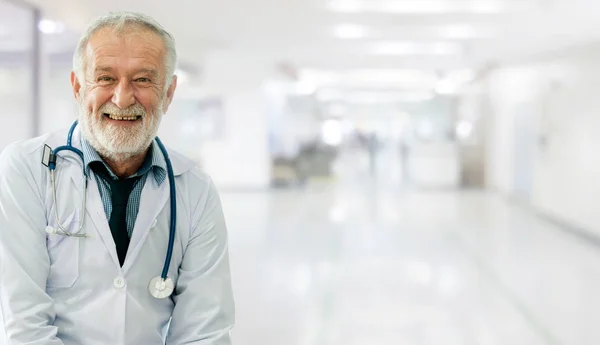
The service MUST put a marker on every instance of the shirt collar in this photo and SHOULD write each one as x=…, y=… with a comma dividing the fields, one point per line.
x=154, y=161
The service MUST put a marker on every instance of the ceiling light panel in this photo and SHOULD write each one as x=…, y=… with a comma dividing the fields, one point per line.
x=428, y=6
x=351, y=31
x=385, y=78
x=463, y=31
x=415, y=48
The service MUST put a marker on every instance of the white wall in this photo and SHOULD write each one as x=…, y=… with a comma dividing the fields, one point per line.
x=59, y=108
x=57, y=105
x=508, y=89
x=567, y=169
x=562, y=91
x=240, y=159
x=15, y=91
x=15, y=73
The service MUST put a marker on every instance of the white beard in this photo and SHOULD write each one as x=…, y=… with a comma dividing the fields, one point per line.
x=119, y=143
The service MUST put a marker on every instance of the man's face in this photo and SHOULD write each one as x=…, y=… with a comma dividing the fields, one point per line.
x=123, y=95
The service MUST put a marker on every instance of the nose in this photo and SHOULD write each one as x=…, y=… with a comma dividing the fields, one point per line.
x=123, y=95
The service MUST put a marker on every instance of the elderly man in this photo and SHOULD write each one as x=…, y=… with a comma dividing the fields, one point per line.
x=113, y=239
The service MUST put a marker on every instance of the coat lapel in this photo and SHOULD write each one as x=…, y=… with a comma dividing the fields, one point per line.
x=153, y=200
x=95, y=211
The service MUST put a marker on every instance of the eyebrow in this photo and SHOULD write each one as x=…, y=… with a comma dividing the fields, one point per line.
x=150, y=71
x=103, y=69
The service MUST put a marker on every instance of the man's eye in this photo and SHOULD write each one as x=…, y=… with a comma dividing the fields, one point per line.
x=143, y=80
x=105, y=79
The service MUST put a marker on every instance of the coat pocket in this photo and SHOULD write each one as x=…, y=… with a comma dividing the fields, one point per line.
x=63, y=252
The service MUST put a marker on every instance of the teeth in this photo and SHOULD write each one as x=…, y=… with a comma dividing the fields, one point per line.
x=122, y=118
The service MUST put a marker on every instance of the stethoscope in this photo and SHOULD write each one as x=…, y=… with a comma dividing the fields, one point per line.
x=160, y=287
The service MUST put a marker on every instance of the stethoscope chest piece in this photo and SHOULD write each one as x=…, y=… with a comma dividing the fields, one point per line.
x=161, y=288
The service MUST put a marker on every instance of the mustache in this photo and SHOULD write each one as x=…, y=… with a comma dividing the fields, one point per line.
x=133, y=110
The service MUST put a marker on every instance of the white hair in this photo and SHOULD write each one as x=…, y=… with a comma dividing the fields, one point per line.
x=121, y=22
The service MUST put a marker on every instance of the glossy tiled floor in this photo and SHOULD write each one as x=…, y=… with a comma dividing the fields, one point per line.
x=355, y=262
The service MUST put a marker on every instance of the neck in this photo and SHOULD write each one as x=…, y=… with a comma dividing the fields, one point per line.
x=125, y=165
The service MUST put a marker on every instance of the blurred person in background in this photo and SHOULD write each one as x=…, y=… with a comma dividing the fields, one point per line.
x=72, y=274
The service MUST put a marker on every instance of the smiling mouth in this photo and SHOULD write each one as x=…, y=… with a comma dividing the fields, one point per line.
x=123, y=118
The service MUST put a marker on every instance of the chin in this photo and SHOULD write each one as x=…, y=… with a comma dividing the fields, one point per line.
x=124, y=149
x=119, y=143
x=118, y=146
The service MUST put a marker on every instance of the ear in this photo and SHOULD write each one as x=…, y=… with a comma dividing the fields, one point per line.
x=76, y=85
x=170, y=94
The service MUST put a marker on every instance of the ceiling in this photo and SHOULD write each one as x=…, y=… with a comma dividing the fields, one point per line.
x=320, y=36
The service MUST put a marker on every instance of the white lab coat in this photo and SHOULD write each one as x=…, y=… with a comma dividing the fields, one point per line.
x=64, y=290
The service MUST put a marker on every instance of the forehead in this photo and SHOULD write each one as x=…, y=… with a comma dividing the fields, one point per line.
x=131, y=46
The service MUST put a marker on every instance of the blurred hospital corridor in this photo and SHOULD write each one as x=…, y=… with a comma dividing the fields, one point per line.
x=392, y=172
x=358, y=263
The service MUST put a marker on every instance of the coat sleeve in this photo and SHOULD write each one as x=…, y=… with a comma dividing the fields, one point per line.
x=204, y=306
x=26, y=311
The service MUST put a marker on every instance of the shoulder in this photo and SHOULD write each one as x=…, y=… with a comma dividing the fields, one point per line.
x=196, y=188
x=28, y=152
x=190, y=171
